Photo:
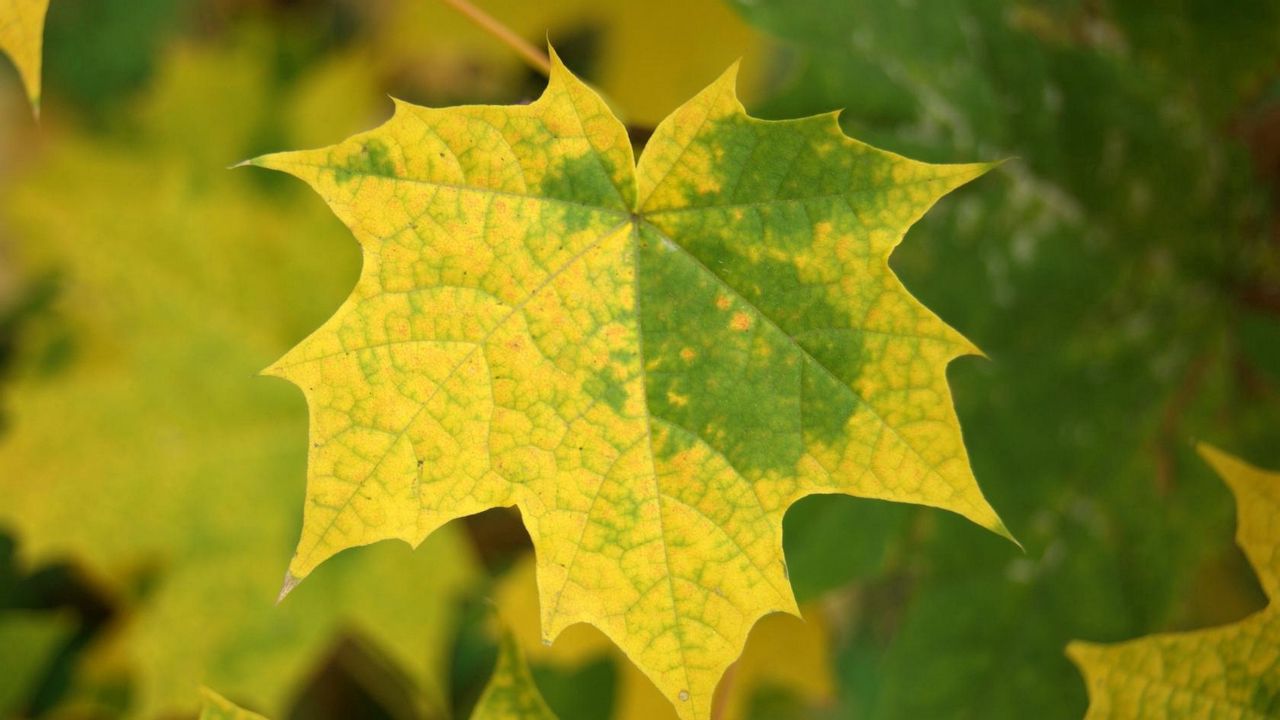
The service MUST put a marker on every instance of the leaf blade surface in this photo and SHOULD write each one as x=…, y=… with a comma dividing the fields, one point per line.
x=541, y=322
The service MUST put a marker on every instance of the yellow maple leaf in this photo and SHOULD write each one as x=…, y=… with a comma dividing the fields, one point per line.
x=652, y=361
x=1226, y=672
x=21, y=37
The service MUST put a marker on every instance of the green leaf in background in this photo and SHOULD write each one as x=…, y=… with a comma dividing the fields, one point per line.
x=1227, y=671
x=1121, y=245
x=28, y=642
x=97, y=57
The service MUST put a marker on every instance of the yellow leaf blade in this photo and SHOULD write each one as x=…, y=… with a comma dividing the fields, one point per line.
x=21, y=38
x=541, y=322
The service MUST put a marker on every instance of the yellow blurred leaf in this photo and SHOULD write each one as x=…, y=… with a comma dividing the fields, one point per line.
x=1231, y=671
x=652, y=361
x=650, y=56
x=21, y=37
x=156, y=458
x=215, y=707
x=782, y=651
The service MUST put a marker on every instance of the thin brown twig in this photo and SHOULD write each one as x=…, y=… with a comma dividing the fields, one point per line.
x=536, y=59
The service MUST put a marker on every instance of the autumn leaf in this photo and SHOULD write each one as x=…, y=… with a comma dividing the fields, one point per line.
x=1231, y=671
x=151, y=456
x=21, y=37
x=652, y=361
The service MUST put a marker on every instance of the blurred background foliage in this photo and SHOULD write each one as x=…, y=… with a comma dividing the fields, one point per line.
x=1121, y=271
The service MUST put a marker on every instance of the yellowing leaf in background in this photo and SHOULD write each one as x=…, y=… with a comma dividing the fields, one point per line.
x=511, y=693
x=781, y=651
x=1231, y=671
x=649, y=56
x=651, y=361
x=215, y=707
x=156, y=459
x=21, y=37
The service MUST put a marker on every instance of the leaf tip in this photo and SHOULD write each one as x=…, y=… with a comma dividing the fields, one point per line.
x=279, y=368
x=969, y=348
x=730, y=75
x=1003, y=531
x=270, y=161
x=968, y=172
x=1209, y=453
x=1078, y=650
x=1222, y=462
x=290, y=582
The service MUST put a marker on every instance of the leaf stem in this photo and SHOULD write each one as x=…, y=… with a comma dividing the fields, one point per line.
x=536, y=59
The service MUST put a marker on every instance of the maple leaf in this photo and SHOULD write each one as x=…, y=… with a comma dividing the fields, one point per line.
x=1231, y=671
x=154, y=458
x=21, y=37
x=652, y=361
